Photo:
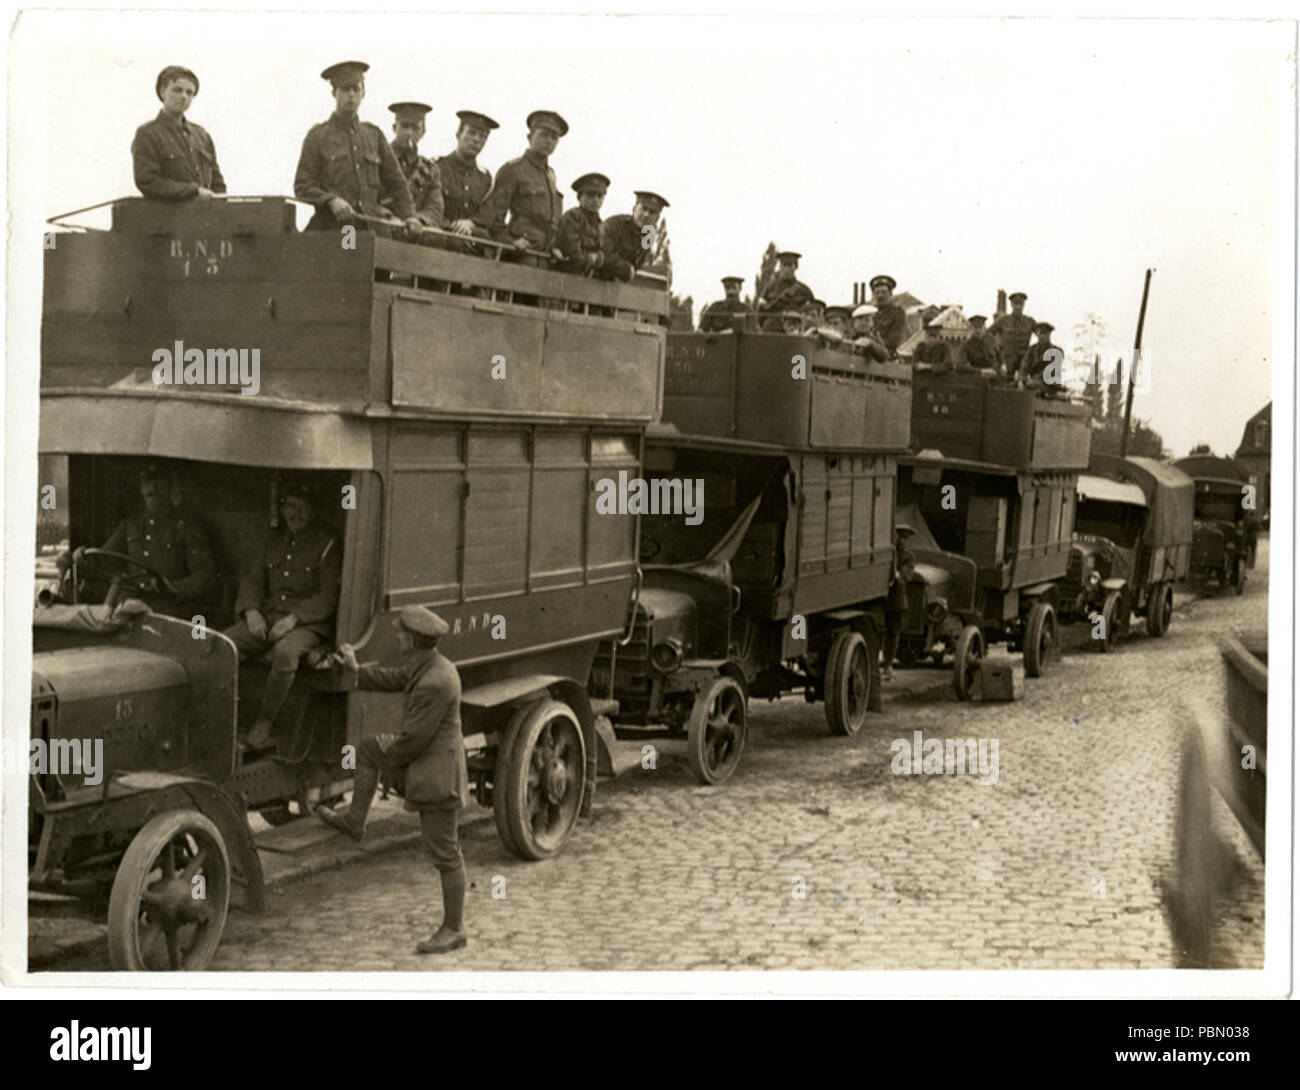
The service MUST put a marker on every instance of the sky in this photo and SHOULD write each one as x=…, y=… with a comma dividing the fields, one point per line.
x=1057, y=157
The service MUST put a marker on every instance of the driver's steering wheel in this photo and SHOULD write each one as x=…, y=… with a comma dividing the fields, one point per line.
x=144, y=575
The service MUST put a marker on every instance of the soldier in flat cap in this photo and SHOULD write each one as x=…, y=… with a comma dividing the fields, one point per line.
x=525, y=191
x=1041, y=364
x=464, y=182
x=427, y=757
x=422, y=176
x=837, y=318
x=890, y=323
x=1011, y=333
x=287, y=601
x=785, y=293
x=346, y=167
x=174, y=159
x=978, y=351
x=628, y=239
x=726, y=313
x=579, y=234
x=932, y=350
x=174, y=544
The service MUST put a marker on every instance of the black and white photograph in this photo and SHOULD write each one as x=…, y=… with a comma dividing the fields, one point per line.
x=579, y=501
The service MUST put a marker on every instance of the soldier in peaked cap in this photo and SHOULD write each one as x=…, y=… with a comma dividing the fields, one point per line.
x=525, y=190
x=422, y=176
x=837, y=318
x=427, y=758
x=579, y=233
x=728, y=312
x=1042, y=361
x=785, y=292
x=346, y=166
x=174, y=159
x=932, y=350
x=287, y=601
x=628, y=239
x=978, y=351
x=890, y=321
x=1011, y=333
x=464, y=182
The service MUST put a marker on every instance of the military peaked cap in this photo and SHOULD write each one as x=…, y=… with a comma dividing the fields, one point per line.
x=651, y=200
x=976, y=318
x=415, y=111
x=733, y=280
x=548, y=118
x=423, y=621
x=787, y=257
x=1018, y=296
x=478, y=120
x=591, y=183
x=888, y=281
x=345, y=70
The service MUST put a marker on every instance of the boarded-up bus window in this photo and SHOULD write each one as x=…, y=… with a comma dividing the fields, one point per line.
x=560, y=489
x=425, y=519
x=611, y=538
x=496, y=514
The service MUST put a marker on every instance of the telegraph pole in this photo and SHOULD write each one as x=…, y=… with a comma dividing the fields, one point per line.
x=1132, y=371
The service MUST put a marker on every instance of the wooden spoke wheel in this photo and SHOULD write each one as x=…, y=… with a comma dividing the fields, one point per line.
x=1110, y=622
x=160, y=917
x=1040, y=638
x=848, y=683
x=540, y=777
x=716, y=730
x=1160, y=609
x=966, y=659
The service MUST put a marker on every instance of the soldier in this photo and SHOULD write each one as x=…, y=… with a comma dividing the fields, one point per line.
x=174, y=159
x=628, y=240
x=464, y=182
x=286, y=602
x=785, y=292
x=525, y=189
x=932, y=350
x=579, y=234
x=1042, y=361
x=896, y=603
x=837, y=318
x=726, y=313
x=428, y=756
x=176, y=547
x=864, y=336
x=422, y=175
x=346, y=167
x=1011, y=333
x=890, y=324
x=978, y=351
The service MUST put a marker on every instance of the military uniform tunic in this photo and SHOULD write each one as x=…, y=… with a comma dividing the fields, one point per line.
x=979, y=352
x=1036, y=360
x=1012, y=333
x=464, y=185
x=176, y=547
x=525, y=190
x=296, y=574
x=424, y=182
x=890, y=325
x=787, y=295
x=579, y=240
x=173, y=158
x=621, y=241
x=350, y=159
x=720, y=316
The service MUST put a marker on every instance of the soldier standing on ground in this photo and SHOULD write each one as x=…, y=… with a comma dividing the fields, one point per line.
x=346, y=167
x=785, y=293
x=579, y=234
x=628, y=239
x=1011, y=333
x=428, y=756
x=422, y=175
x=890, y=322
x=174, y=159
x=978, y=351
x=464, y=182
x=896, y=603
x=727, y=313
x=525, y=191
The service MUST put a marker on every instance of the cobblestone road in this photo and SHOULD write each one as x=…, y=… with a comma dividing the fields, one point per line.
x=1056, y=866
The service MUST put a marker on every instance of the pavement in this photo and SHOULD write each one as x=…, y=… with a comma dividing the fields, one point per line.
x=818, y=854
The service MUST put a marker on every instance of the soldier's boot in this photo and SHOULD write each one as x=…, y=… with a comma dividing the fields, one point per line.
x=451, y=935
x=342, y=821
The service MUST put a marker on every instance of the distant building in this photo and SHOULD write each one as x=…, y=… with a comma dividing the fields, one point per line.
x=1256, y=454
x=953, y=328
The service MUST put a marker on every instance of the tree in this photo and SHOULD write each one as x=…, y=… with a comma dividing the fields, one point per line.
x=681, y=314
x=765, y=269
x=1085, y=359
x=1115, y=393
x=1200, y=448
x=1143, y=441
